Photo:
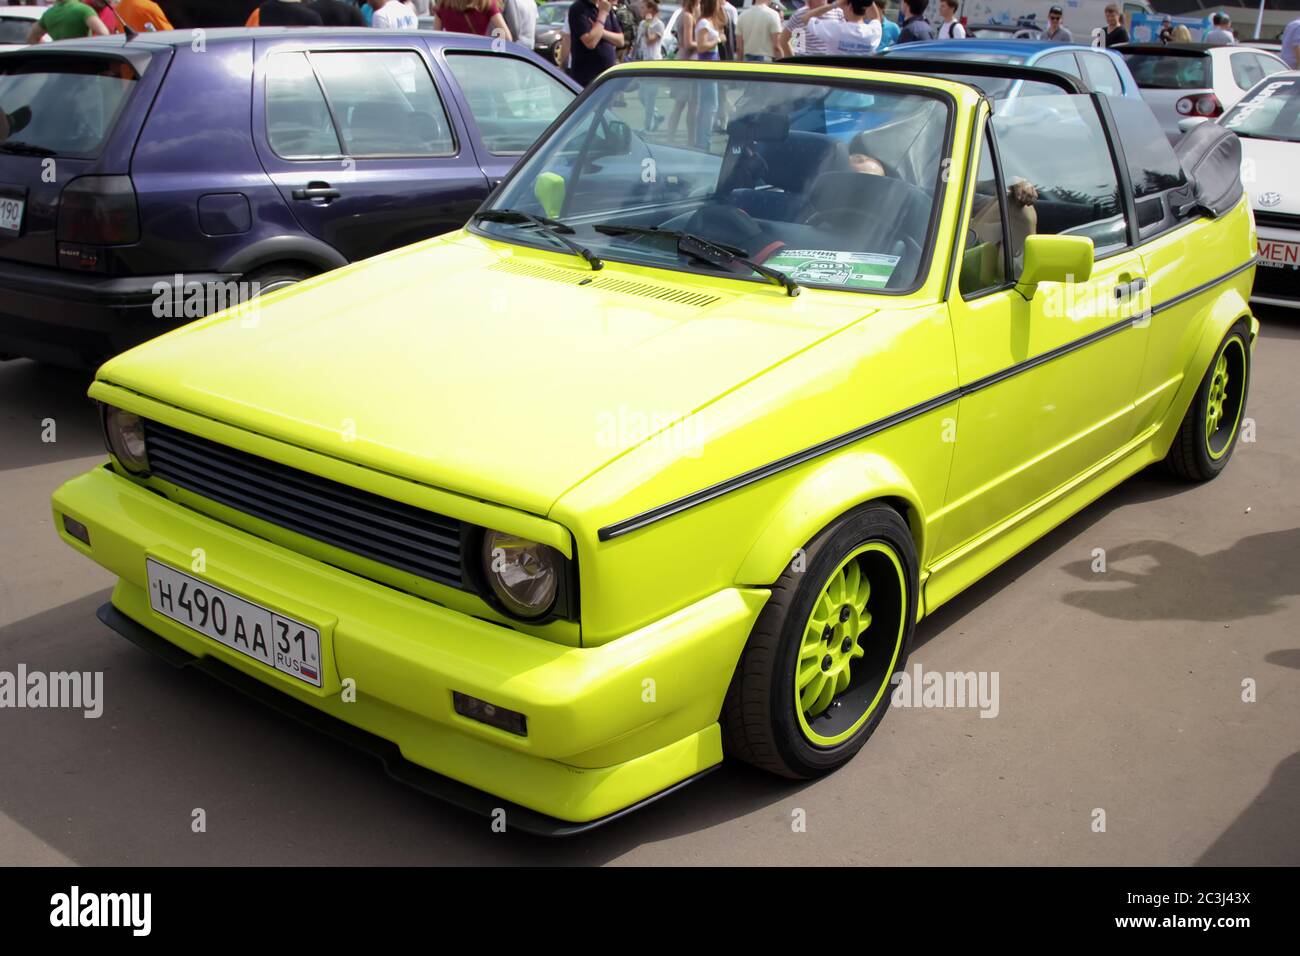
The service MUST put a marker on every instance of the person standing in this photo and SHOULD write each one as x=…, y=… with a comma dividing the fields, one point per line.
x=951, y=28
x=595, y=39
x=1115, y=32
x=336, y=13
x=649, y=45
x=287, y=13
x=521, y=18
x=1056, y=31
x=1220, y=34
x=480, y=17
x=67, y=20
x=813, y=44
x=709, y=31
x=1166, y=30
x=915, y=28
x=757, y=32
x=394, y=15
x=855, y=33
x=889, y=30
x=683, y=94
x=1291, y=44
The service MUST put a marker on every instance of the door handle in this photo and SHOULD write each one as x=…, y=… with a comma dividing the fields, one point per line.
x=1130, y=288
x=317, y=190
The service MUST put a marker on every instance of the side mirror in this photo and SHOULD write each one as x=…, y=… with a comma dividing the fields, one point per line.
x=1054, y=259
x=1189, y=124
x=549, y=190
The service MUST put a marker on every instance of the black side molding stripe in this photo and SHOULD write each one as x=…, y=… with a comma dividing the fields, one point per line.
x=637, y=522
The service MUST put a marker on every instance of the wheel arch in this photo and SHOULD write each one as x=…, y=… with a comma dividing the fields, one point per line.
x=304, y=250
x=1228, y=309
x=826, y=494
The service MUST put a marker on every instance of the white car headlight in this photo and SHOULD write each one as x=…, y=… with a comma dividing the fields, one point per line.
x=524, y=575
x=124, y=432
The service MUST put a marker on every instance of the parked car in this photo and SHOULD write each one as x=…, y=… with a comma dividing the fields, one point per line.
x=1193, y=79
x=16, y=23
x=1267, y=120
x=150, y=158
x=551, y=21
x=1096, y=68
x=1026, y=30
x=665, y=454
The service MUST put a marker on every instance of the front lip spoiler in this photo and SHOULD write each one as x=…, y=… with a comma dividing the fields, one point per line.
x=426, y=781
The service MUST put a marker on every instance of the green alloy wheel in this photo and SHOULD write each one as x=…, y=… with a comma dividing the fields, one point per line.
x=1209, y=431
x=813, y=681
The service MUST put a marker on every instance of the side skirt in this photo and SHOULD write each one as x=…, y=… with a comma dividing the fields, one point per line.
x=958, y=570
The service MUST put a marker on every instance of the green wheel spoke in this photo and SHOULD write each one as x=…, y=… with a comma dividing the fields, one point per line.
x=809, y=695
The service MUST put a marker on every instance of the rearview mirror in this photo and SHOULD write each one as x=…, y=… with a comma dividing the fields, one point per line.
x=1054, y=259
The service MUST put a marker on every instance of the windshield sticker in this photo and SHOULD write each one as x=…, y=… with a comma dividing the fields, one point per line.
x=852, y=270
x=1245, y=108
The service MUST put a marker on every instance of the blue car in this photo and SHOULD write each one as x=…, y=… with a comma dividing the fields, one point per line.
x=1096, y=69
x=146, y=182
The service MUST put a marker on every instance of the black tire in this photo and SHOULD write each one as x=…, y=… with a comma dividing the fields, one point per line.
x=1194, y=456
x=276, y=276
x=759, y=720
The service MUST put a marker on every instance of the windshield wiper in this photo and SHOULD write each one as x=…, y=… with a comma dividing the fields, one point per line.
x=706, y=251
x=557, y=230
x=25, y=149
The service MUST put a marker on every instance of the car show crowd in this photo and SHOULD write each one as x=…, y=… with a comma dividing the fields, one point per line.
x=611, y=31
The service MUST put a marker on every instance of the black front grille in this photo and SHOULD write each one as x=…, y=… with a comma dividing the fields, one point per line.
x=381, y=529
x=1278, y=220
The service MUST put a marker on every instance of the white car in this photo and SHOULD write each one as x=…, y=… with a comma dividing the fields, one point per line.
x=1179, y=80
x=16, y=23
x=1267, y=120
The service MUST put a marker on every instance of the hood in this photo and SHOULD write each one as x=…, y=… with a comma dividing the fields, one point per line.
x=1274, y=186
x=498, y=372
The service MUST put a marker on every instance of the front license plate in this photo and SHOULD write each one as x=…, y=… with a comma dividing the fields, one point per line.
x=1279, y=253
x=11, y=215
x=289, y=646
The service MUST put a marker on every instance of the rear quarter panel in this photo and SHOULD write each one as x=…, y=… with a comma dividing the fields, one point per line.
x=197, y=143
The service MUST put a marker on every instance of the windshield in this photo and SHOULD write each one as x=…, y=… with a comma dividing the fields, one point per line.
x=1271, y=111
x=829, y=185
x=1157, y=71
x=62, y=105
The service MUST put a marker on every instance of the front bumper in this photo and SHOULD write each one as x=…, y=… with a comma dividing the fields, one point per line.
x=608, y=727
x=80, y=319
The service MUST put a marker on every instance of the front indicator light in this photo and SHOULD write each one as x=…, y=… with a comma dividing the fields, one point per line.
x=508, y=720
x=124, y=432
x=76, y=529
x=524, y=575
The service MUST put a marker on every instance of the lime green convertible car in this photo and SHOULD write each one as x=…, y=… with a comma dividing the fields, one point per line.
x=742, y=372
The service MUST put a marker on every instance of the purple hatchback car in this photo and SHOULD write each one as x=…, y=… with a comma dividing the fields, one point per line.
x=237, y=159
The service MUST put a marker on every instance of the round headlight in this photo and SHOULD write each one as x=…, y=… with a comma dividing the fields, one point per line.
x=125, y=434
x=524, y=575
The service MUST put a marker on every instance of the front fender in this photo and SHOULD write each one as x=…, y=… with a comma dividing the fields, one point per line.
x=825, y=493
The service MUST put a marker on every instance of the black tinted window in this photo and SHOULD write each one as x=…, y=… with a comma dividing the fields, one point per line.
x=1152, y=165
x=64, y=104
